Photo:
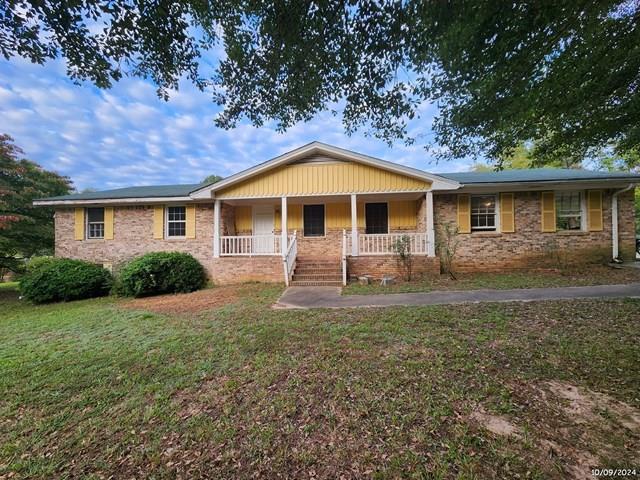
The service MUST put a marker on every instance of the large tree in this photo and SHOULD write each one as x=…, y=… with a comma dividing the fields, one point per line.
x=563, y=74
x=25, y=230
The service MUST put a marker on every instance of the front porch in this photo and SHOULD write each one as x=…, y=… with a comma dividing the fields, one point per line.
x=335, y=228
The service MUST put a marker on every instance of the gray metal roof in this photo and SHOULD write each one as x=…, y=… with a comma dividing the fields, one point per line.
x=155, y=191
x=465, y=178
x=536, y=175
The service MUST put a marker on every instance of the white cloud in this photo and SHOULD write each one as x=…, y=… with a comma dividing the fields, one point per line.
x=128, y=136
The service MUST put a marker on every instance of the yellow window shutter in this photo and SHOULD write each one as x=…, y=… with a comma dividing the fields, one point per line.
x=78, y=231
x=507, y=213
x=464, y=213
x=191, y=221
x=548, y=207
x=595, y=210
x=108, y=223
x=158, y=222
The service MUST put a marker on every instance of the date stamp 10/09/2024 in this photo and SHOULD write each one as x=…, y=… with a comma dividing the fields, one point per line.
x=615, y=472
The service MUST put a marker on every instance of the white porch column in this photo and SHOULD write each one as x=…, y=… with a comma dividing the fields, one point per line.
x=283, y=226
x=216, y=228
x=354, y=226
x=431, y=237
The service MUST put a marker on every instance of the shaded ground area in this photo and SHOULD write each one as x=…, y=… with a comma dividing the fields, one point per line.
x=591, y=275
x=510, y=390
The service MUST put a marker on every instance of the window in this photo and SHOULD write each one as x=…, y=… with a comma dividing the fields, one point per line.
x=176, y=221
x=483, y=212
x=376, y=218
x=314, y=220
x=568, y=210
x=95, y=222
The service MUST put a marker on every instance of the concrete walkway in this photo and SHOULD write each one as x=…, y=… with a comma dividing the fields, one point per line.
x=329, y=297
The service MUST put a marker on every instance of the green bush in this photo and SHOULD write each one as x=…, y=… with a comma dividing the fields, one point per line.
x=63, y=279
x=34, y=263
x=161, y=272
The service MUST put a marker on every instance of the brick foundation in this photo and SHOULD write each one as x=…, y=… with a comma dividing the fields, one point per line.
x=379, y=265
x=227, y=270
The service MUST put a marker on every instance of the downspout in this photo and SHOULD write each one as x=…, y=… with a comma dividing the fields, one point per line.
x=614, y=220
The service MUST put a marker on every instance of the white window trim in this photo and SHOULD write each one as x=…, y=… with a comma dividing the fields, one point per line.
x=86, y=224
x=166, y=222
x=583, y=209
x=496, y=197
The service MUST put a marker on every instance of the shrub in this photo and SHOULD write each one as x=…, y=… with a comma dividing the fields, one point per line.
x=448, y=247
x=161, y=272
x=35, y=263
x=63, y=279
x=402, y=248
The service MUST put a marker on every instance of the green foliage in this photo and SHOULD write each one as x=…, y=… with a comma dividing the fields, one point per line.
x=564, y=74
x=212, y=179
x=161, y=272
x=25, y=230
x=35, y=263
x=629, y=161
x=402, y=249
x=447, y=247
x=64, y=279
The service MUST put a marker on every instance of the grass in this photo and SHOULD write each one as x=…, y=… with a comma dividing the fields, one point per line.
x=92, y=389
x=593, y=275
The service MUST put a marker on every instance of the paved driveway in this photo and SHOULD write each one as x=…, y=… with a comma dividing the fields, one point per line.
x=330, y=297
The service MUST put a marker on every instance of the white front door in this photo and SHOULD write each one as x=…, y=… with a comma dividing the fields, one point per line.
x=263, y=226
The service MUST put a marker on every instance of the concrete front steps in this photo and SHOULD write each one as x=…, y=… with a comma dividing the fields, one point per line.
x=313, y=271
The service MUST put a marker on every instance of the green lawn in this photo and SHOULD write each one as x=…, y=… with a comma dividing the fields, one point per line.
x=592, y=275
x=92, y=389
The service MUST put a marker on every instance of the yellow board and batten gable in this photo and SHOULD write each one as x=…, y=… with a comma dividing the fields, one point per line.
x=323, y=178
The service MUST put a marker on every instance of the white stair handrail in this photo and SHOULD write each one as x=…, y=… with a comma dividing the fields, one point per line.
x=344, y=257
x=289, y=258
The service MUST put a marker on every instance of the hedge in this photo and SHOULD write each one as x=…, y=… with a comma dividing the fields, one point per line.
x=64, y=279
x=161, y=272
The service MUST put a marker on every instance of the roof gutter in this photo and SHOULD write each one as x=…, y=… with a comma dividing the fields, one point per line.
x=614, y=220
x=111, y=201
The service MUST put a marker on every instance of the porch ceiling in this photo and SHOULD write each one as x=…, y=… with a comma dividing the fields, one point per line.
x=361, y=197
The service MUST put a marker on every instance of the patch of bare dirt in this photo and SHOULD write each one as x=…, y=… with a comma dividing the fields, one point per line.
x=495, y=424
x=187, y=302
x=570, y=427
x=585, y=406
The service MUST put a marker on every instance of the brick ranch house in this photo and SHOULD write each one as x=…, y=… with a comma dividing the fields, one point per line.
x=320, y=214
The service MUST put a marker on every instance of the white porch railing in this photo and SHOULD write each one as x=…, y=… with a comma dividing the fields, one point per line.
x=382, y=244
x=250, y=245
x=289, y=260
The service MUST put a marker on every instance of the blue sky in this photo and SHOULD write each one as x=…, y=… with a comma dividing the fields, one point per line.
x=127, y=136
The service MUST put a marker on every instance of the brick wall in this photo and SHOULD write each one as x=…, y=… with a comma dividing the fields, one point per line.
x=243, y=269
x=528, y=246
x=379, y=265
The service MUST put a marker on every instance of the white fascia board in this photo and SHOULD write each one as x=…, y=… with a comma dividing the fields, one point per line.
x=437, y=182
x=540, y=186
x=112, y=201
